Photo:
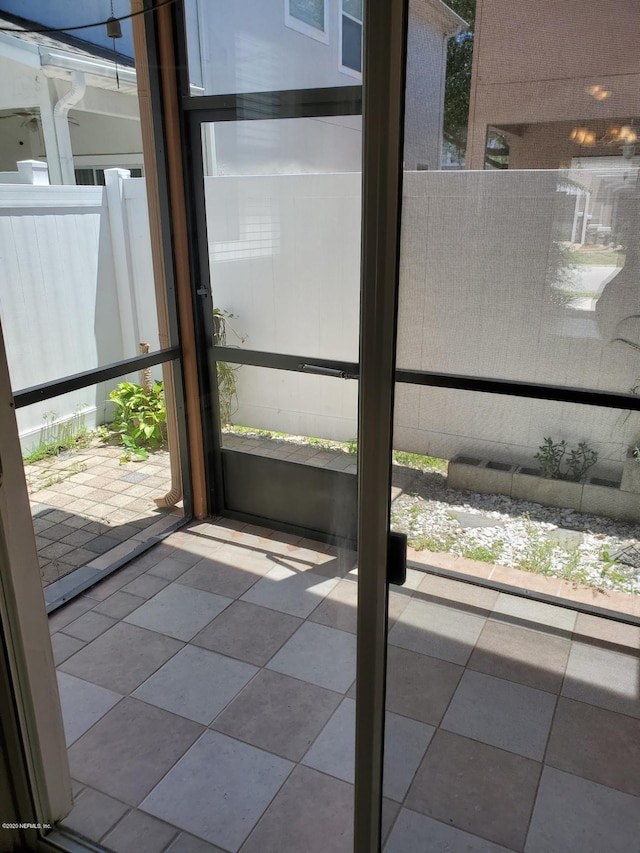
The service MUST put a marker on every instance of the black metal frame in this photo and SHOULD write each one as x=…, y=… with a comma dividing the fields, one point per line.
x=48, y=390
x=434, y=379
x=203, y=109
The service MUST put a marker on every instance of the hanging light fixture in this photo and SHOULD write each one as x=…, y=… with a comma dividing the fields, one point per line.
x=114, y=31
x=624, y=136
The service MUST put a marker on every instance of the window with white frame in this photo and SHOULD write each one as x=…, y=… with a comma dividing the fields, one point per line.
x=309, y=17
x=351, y=36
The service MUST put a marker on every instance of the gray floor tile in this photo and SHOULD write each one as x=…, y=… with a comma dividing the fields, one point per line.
x=419, y=686
x=297, y=593
x=145, y=586
x=119, y=604
x=340, y=608
x=389, y=814
x=597, y=744
x=215, y=576
x=406, y=741
x=311, y=813
x=248, y=632
x=574, y=815
x=83, y=704
x=178, y=611
x=534, y=658
x=603, y=677
x=196, y=684
x=63, y=647
x=185, y=843
x=171, y=568
x=442, y=632
x=94, y=813
x=321, y=655
x=443, y=590
x=477, y=788
x=416, y=833
x=130, y=749
x=277, y=713
x=117, y=580
x=533, y=614
x=218, y=790
x=64, y=615
x=606, y=632
x=333, y=751
x=139, y=833
x=103, y=660
x=501, y=713
x=88, y=626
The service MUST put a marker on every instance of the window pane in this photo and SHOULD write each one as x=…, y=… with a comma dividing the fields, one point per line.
x=351, y=44
x=353, y=8
x=90, y=494
x=309, y=11
x=277, y=195
x=249, y=46
x=68, y=309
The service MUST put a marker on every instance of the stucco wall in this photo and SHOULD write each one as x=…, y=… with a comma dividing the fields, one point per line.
x=535, y=62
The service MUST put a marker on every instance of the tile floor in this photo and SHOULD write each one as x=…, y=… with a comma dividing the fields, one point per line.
x=208, y=696
x=85, y=504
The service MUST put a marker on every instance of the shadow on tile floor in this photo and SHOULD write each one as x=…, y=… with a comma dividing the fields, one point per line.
x=208, y=697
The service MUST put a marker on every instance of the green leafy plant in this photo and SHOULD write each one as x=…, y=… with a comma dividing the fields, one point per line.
x=226, y=373
x=139, y=418
x=423, y=463
x=483, y=553
x=58, y=436
x=551, y=457
x=580, y=460
x=537, y=554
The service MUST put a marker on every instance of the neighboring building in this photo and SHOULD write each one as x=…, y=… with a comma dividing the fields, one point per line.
x=68, y=105
x=242, y=47
x=555, y=93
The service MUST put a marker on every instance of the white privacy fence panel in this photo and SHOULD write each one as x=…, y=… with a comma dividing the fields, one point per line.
x=60, y=308
x=485, y=290
x=489, y=288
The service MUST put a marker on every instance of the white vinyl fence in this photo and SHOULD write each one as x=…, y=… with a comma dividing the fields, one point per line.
x=76, y=289
x=486, y=290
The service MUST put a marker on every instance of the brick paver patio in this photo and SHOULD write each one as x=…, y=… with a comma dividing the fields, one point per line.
x=86, y=503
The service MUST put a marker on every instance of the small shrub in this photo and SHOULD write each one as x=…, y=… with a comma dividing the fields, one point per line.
x=226, y=373
x=551, y=455
x=422, y=463
x=139, y=418
x=483, y=553
x=441, y=542
x=56, y=437
x=537, y=553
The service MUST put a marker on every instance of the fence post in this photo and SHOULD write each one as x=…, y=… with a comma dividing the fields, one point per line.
x=33, y=172
x=122, y=260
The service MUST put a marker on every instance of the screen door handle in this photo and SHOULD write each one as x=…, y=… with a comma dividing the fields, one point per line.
x=397, y=558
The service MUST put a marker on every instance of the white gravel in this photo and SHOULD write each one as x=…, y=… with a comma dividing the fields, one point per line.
x=525, y=535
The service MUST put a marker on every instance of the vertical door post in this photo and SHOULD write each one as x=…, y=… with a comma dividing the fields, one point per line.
x=383, y=112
